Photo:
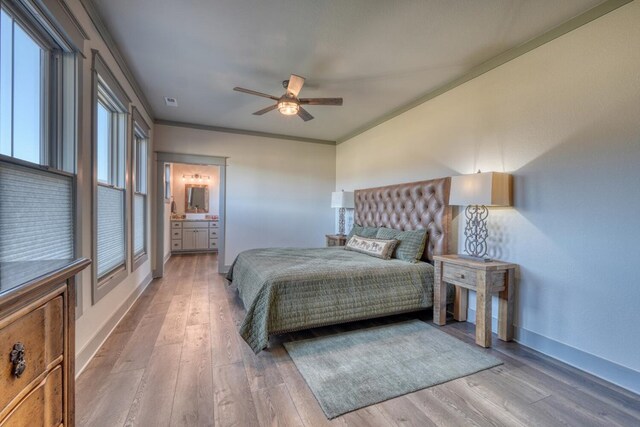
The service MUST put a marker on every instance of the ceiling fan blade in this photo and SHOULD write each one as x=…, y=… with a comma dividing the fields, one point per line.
x=265, y=110
x=295, y=84
x=321, y=101
x=253, y=92
x=304, y=114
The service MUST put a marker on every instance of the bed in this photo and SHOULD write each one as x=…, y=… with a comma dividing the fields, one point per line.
x=288, y=289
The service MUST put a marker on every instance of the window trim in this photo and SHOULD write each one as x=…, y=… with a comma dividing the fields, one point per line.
x=140, y=130
x=101, y=75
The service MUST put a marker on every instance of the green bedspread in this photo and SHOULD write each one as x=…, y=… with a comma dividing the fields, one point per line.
x=288, y=289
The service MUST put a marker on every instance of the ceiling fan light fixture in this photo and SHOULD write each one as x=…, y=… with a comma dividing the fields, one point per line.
x=288, y=108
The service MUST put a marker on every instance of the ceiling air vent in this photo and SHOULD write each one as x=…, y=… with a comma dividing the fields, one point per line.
x=171, y=102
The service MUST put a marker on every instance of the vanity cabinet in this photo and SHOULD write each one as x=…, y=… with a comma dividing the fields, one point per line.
x=194, y=236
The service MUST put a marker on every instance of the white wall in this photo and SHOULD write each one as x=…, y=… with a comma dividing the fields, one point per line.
x=90, y=327
x=278, y=192
x=565, y=120
x=178, y=185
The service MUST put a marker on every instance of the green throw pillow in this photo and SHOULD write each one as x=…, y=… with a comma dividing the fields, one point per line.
x=410, y=243
x=358, y=230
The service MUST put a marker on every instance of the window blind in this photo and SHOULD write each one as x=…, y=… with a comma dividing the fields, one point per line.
x=111, y=244
x=138, y=224
x=36, y=214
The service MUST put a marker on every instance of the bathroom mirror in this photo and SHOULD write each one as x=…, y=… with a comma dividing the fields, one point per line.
x=196, y=198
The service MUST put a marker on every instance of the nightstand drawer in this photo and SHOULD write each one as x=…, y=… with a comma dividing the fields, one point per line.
x=459, y=275
x=176, y=234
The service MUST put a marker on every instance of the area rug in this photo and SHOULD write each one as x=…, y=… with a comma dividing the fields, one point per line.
x=351, y=370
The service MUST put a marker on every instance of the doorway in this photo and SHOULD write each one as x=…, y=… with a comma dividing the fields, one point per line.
x=190, y=197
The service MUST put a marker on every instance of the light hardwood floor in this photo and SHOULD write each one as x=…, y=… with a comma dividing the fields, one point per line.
x=176, y=359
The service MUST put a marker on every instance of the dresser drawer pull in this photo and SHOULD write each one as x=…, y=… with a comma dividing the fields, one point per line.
x=460, y=275
x=17, y=359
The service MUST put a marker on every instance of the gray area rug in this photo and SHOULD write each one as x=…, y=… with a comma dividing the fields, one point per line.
x=355, y=369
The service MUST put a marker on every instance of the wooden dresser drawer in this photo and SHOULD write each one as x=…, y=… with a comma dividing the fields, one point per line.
x=41, y=333
x=42, y=407
x=459, y=275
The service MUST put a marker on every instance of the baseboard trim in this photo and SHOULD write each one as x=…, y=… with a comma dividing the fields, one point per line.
x=84, y=356
x=166, y=257
x=610, y=371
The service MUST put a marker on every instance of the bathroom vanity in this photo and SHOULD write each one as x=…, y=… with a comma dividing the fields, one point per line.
x=189, y=235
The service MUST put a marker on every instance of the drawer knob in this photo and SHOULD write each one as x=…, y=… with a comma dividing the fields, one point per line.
x=460, y=275
x=17, y=359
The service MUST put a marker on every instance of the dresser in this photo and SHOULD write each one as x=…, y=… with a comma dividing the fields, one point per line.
x=37, y=342
x=194, y=236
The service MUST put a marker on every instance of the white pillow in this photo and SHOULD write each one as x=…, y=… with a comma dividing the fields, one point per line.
x=379, y=248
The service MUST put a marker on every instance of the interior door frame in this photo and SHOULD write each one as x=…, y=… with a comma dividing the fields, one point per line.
x=193, y=159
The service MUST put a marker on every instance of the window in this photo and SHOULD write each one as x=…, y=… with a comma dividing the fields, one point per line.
x=37, y=93
x=140, y=190
x=37, y=138
x=110, y=160
x=167, y=182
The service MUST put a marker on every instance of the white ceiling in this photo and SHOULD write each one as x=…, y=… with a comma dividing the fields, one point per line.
x=377, y=54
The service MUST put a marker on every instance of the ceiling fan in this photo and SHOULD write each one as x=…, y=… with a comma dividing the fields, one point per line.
x=289, y=104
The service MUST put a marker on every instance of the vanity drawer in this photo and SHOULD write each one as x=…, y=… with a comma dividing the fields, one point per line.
x=176, y=245
x=459, y=275
x=214, y=224
x=213, y=233
x=195, y=224
x=176, y=234
x=213, y=244
x=41, y=407
x=40, y=333
x=176, y=224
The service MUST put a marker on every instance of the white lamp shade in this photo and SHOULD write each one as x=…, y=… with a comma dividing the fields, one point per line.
x=488, y=189
x=342, y=199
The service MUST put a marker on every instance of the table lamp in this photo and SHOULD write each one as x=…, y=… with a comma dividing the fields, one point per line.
x=342, y=200
x=476, y=192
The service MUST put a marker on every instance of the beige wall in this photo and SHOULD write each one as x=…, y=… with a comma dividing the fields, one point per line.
x=178, y=185
x=278, y=191
x=96, y=318
x=565, y=120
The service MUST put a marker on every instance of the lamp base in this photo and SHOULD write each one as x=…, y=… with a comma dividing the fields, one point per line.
x=476, y=232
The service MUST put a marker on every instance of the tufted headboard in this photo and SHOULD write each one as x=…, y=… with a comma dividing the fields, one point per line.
x=410, y=206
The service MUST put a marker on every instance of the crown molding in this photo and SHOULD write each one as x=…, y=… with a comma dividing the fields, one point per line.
x=102, y=29
x=511, y=54
x=243, y=132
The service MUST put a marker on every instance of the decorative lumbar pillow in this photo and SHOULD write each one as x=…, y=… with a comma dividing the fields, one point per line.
x=361, y=231
x=380, y=248
x=410, y=243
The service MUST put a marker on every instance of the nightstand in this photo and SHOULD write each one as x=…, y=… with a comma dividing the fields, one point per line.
x=336, y=240
x=486, y=279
